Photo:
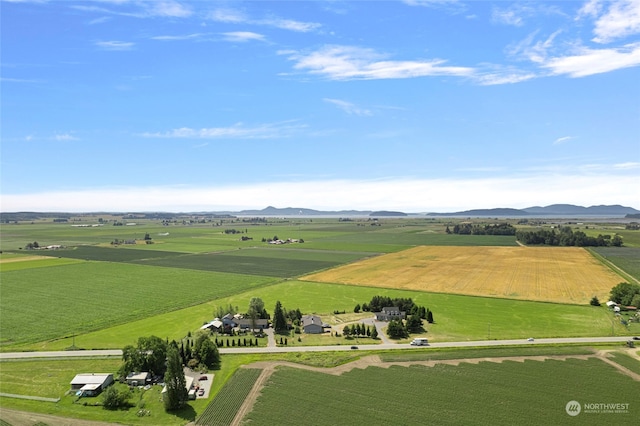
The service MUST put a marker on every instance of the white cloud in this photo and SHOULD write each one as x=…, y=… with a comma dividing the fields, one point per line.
x=348, y=107
x=507, y=17
x=437, y=195
x=178, y=37
x=351, y=63
x=233, y=16
x=242, y=36
x=115, y=45
x=237, y=131
x=562, y=140
x=588, y=61
x=169, y=8
x=65, y=137
x=622, y=19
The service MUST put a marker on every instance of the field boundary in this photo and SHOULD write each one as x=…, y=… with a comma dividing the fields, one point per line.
x=33, y=398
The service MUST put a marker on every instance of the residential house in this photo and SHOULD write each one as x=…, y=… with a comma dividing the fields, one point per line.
x=312, y=324
x=389, y=313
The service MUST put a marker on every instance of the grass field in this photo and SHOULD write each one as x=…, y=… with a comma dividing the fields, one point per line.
x=625, y=258
x=47, y=303
x=558, y=274
x=532, y=392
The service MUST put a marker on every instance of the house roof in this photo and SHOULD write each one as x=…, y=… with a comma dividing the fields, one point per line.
x=90, y=378
x=138, y=376
x=311, y=320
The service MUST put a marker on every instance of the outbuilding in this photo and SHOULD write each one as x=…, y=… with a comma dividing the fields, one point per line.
x=91, y=384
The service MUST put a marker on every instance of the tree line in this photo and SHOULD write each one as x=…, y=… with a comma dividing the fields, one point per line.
x=566, y=237
x=478, y=229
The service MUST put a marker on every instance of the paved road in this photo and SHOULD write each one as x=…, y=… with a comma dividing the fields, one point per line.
x=346, y=347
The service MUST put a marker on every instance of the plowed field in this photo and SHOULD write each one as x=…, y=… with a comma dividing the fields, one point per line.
x=553, y=274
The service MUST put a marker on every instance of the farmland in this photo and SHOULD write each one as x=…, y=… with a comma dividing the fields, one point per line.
x=94, y=294
x=558, y=274
x=507, y=393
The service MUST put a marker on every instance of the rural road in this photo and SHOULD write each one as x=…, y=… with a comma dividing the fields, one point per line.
x=346, y=347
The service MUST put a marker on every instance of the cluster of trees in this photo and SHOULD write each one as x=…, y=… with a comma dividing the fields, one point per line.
x=159, y=358
x=626, y=294
x=567, y=237
x=477, y=229
x=633, y=226
x=360, y=330
x=282, y=317
x=404, y=304
x=32, y=246
x=233, y=342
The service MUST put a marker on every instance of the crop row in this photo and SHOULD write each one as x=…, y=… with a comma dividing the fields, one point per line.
x=224, y=407
x=496, y=393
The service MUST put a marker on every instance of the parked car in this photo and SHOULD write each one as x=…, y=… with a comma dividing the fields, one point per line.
x=201, y=392
x=203, y=378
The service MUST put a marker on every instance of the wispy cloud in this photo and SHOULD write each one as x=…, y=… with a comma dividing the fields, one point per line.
x=139, y=8
x=233, y=16
x=586, y=61
x=562, y=140
x=115, y=45
x=242, y=36
x=19, y=80
x=64, y=137
x=348, y=107
x=352, y=63
x=237, y=131
x=178, y=37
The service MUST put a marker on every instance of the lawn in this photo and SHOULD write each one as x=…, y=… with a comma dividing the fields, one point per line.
x=507, y=393
x=552, y=274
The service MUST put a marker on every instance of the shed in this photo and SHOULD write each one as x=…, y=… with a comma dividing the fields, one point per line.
x=91, y=384
x=138, y=379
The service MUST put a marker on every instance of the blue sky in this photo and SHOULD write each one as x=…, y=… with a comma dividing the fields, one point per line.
x=416, y=105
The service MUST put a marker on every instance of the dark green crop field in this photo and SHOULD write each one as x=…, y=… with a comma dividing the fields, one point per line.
x=504, y=393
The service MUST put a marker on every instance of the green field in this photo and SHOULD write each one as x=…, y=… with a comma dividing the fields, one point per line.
x=509, y=393
x=625, y=258
x=48, y=303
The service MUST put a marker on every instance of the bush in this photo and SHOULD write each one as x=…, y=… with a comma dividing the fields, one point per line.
x=112, y=398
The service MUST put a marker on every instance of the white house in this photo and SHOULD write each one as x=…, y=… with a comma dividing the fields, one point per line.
x=91, y=384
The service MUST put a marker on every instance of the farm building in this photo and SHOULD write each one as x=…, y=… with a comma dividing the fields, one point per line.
x=138, y=379
x=312, y=324
x=215, y=325
x=389, y=313
x=91, y=384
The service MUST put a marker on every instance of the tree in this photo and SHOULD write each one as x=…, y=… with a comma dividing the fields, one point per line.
x=153, y=353
x=624, y=293
x=112, y=398
x=396, y=329
x=374, y=333
x=206, y=351
x=256, y=306
x=357, y=309
x=594, y=301
x=429, y=317
x=279, y=320
x=414, y=323
x=175, y=382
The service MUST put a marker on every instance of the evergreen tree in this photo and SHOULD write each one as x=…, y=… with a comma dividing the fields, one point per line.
x=175, y=382
x=429, y=317
x=374, y=333
x=279, y=319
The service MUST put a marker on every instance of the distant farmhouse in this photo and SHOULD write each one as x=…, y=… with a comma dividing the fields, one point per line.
x=389, y=313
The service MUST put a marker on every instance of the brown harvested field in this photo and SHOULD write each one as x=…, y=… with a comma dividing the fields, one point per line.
x=553, y=274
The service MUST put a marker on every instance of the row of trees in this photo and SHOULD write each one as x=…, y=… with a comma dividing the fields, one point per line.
x=478, y=229
x=360, y=330
x=566, y=237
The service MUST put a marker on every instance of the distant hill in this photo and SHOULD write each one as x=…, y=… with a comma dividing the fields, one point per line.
x=569, y=209
x=387, y=213
x=299, y=211
x=552, y=210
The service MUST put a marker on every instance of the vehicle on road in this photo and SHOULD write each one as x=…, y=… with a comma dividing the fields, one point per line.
x=530, y=339
x=636, y=338
x=354, y=347
x=420, y=341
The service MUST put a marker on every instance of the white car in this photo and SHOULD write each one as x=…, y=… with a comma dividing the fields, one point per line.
x=530, y=339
